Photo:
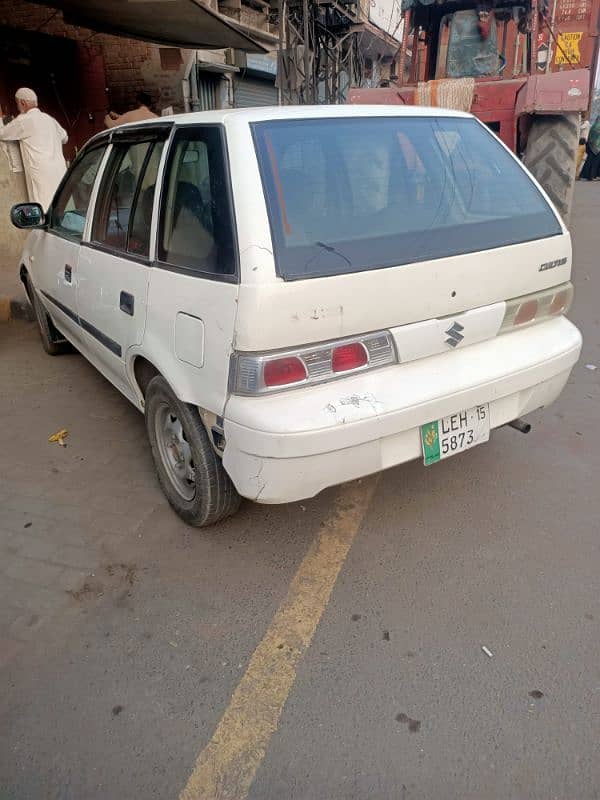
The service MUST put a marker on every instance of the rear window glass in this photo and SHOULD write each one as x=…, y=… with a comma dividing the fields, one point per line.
x=347, y=195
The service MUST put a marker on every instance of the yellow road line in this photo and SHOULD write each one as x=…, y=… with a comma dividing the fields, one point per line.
x=226, y=767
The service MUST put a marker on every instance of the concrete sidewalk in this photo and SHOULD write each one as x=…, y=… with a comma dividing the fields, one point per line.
x=13, y=300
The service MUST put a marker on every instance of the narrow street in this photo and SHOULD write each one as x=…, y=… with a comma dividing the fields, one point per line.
x=127, y=638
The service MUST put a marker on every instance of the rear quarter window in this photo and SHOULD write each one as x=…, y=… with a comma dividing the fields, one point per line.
x=353, y=194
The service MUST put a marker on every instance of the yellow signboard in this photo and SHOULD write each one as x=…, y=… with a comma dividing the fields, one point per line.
x=567, y=48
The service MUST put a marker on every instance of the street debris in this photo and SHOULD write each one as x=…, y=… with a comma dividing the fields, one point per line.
x=414, y=725
x=487, y=651
x=128, y=571
x=59, y=437
x=87, y=589
x=591, y=366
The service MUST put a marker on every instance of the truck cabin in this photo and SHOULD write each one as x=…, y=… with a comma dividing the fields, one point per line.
x=478, y=40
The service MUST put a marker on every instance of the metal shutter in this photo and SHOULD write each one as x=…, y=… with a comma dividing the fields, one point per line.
x=254, y=92
x=207, y=92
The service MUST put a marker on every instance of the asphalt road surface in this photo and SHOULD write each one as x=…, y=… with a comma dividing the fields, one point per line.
x=329, y=650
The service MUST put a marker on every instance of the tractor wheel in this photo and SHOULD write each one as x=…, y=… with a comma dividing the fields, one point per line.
x=551, y=156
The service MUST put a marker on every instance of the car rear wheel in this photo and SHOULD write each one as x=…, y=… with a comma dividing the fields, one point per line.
x=191, y=474
x=551, y=155
x=53, y=341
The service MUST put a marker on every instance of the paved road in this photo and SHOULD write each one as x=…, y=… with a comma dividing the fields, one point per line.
x=325, y=651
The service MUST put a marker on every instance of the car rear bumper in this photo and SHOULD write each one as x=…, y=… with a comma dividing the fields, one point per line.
x=292, y=445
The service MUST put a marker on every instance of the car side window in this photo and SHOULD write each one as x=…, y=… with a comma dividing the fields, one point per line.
x=138, y=242
x=196, y=231
x=71, y=204
x=119, y=193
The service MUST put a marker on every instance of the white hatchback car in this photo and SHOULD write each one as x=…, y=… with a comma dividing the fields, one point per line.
x=296, y=297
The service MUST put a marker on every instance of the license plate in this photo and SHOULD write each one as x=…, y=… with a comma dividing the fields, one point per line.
x=450, y=435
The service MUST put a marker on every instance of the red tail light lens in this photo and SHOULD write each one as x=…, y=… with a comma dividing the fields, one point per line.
x=349, y=356
x=560, y=302
x=284, y=371
x=526, y=312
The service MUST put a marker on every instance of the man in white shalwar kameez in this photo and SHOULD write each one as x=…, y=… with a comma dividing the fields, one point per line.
x=41, y=139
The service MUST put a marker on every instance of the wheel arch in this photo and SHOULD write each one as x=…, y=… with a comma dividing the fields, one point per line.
x=24, y=277
x=144, y=370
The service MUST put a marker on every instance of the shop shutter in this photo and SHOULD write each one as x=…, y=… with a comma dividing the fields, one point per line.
x=254, y=92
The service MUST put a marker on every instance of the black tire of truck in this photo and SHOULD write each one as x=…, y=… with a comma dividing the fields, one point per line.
x=551, y=156
x=53, y=341
x=210, y=496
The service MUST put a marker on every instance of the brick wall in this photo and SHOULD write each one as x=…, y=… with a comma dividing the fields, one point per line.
x=130, y=65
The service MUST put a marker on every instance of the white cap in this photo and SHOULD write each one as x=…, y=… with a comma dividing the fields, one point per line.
x=28, y=95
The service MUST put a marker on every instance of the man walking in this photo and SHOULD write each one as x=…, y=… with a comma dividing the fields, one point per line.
x=41, y=139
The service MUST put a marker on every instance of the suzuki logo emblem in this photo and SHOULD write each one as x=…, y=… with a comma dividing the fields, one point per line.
x=454, y=334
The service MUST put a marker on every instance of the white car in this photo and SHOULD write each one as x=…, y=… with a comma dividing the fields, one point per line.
x=296, y=297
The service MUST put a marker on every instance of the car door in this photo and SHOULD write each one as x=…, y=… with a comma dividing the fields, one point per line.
x=194, y=285
x=114, y=264
x=55, y=257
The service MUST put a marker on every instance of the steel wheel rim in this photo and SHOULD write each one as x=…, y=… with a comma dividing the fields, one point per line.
x=175, y=452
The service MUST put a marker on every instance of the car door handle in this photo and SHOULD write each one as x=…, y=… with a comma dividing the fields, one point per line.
x=68, y=273
x=126, y=303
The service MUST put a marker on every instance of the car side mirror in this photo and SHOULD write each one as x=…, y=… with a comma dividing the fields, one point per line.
x=27, y=215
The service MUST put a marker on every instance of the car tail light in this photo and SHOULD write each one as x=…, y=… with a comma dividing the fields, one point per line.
x=561, y=302
x=284, y=371
x=260, y=373
x=527, y=312
x=349, y=356
x=537, y=307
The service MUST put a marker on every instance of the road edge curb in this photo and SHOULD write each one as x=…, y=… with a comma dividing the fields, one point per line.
x=15, y=308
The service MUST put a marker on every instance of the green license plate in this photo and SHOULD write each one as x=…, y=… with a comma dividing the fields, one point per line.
x=450, y=435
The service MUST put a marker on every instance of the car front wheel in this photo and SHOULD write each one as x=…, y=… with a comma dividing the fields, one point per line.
x=190, y=472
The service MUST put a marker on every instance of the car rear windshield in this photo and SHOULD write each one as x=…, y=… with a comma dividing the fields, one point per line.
x=353, y=194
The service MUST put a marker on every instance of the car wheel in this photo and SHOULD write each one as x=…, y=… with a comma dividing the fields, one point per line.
x=52, y=340
x=190, y=472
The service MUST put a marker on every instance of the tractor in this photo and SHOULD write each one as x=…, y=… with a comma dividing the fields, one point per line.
x=524, y=68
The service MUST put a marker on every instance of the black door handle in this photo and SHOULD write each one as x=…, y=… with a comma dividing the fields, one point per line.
x=68, y=273
x=126, y=303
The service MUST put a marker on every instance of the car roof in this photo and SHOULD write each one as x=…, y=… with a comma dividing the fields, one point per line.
x=265, y=113
x=241, y=116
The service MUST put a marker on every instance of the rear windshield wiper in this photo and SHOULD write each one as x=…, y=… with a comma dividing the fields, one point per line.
x=331, y=249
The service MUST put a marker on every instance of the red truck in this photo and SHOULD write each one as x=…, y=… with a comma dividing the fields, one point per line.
x=529, y=66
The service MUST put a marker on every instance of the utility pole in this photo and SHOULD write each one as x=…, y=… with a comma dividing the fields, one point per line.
x=308, y=87
x=317, y=43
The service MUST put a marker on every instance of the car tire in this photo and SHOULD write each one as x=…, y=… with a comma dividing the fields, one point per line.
x=52, y=341
x=551, y=155
x=190, y=472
